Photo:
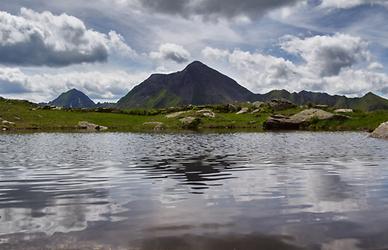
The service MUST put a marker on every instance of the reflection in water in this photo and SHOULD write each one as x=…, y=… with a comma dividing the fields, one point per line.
x=193, y=191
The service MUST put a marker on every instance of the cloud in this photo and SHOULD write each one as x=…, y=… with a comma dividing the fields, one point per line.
x=213, y=8
x=262, y=73
x=99, y=85
x=172, y=52
x=12, y=81
x=37, y=39
x=345, y=4
x=328, y=55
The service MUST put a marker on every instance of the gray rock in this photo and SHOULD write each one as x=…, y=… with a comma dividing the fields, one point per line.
x=207, y=113
x=232, y=108
x=190, y=122
x=381, y=132
x=281, y=104
x=91, y=127
x=258, y=104
x=157, y=126
x=176, y=114
x=310, y=114
x=279, y=122
x=343, y=111
x=5, y=122
x=256, y=111
x=243, y=111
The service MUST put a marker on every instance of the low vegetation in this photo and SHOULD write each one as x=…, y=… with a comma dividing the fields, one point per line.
x=24, y=116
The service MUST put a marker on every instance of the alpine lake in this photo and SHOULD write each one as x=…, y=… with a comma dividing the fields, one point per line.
x=221, y=191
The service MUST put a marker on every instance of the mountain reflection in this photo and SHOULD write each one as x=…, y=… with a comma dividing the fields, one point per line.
x=199, y=172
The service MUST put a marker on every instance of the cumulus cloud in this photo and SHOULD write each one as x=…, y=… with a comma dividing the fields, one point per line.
x=12, y=81
x=262, y=73
x=213, y=8
x=328, y=55
x=99, y=85
x=36, y=39
x=172, y=52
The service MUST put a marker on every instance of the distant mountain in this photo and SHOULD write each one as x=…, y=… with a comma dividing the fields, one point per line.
x=197, y=84
x=369, y=102
x=73, y=99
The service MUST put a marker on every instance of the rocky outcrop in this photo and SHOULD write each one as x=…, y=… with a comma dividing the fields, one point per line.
x=310, y=114
x=231, y=108
x=281, y=104
x=243, y=111
x=157, y=126
x=176, y=114
x=258, y=104
x=295, y=122
x=280, y=122
x=90, y=126
x=343, y=111
x=8, y=123
x=381, y=132
x=206, y=113
x=190, y=122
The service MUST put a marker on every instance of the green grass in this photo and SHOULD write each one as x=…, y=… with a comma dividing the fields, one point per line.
x=359, y=121
x=28, y=116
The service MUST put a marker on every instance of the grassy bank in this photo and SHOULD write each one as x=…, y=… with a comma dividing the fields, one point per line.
x=27, y=116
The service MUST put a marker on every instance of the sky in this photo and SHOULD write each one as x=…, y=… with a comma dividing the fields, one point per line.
x=106, y=47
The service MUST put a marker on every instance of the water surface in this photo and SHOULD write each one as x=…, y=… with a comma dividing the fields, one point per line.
x=193, y=191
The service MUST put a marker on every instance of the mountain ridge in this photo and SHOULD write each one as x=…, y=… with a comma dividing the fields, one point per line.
x=198, y=84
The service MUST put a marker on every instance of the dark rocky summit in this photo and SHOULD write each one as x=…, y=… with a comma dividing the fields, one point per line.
x=73, y=99
x=197, y=84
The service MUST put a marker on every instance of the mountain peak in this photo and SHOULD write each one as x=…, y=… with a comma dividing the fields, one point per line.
x=370, y=94
x=197, y=84
x=73, y=99
x=196, y=65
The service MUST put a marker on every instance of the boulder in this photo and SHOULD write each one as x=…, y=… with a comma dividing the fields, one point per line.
x=206, y=113
x=190, y=122
x=295, y=122
x=343, y=111
x=243, y=111
x=281, y=104
x=256, y=111
x=91, y=127
x=310, y=114
x=381, y=132
x=258, y=104
x=232, y=108
x=175, y=114
x=280, y=122
x=157, y=126
x=8, y=123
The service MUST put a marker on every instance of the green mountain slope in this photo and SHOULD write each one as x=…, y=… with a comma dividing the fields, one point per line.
x=369, y=102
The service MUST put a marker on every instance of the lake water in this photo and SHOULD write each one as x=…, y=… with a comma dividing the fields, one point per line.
x=193, y=191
